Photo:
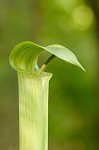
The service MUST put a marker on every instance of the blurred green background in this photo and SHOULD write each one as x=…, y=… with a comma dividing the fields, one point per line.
x=74, y=94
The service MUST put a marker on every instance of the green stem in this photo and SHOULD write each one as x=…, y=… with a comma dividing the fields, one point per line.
x=46, y=64
x=33, y=110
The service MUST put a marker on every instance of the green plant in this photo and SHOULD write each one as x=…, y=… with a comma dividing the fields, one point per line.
x=33, y=90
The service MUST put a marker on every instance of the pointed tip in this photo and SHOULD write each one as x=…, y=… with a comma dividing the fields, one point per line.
x=82, y=68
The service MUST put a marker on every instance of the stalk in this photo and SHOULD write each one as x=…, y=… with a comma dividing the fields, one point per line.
x=33, y=110
x=46, y=64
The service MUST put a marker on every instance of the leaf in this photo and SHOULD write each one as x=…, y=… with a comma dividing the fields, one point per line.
x=24, y=56
x=64, y=54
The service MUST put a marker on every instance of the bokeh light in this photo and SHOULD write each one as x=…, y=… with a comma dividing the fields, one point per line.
x=82, y=17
